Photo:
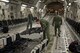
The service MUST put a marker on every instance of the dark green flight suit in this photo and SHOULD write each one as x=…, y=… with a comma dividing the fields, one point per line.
x=57, y=21
x=30, y=19
x=45, y=27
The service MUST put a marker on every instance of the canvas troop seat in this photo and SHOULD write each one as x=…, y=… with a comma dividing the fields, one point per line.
x=1, y=45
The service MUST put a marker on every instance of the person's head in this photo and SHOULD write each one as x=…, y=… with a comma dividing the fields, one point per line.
x=56, y=12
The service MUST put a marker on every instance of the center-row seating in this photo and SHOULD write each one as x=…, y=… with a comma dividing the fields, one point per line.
x=4, y=24
x=39, y=48
x=9, y=43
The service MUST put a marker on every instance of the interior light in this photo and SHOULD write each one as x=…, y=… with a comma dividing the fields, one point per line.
x=32, y=7
x=39, y=0
x=75, y=1
x=5, y=0
x=23, y=5
x=69, y=3
x=62, y=0
x=67, y=6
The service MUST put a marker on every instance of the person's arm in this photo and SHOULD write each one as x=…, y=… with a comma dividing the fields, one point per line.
x=32, y=17
x=28, y=18
x=61, y=21
x=60, y=18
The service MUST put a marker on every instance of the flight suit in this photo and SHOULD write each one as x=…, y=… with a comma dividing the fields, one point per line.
x=30, y=19
x=45, y=27
x=57, y=21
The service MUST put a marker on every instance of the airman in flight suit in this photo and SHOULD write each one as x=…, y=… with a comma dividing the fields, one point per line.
x=30, y=19
x=57, y=22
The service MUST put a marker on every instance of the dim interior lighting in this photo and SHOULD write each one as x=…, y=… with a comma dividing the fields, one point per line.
x=40, y=10
x=75, y=1
x=32, y=7
x=23, y=5
x=67, y=6
x=39, y=0
x=62, y=0
x=44, y=5
x=5, y=0
x=69, y=3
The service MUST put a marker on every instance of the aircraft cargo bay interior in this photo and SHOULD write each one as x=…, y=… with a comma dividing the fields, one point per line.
x=39, y=26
